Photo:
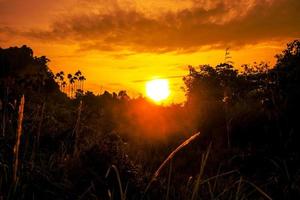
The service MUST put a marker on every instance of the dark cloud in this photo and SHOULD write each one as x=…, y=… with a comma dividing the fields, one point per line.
x=216, y=24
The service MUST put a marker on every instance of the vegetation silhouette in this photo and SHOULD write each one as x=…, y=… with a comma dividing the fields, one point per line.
x=68, y=140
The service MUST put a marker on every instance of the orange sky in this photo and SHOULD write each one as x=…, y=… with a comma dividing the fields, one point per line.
x=118, y=44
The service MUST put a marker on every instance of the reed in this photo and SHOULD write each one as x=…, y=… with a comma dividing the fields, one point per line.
x=171, y=155
x=18, y=138
x=123, y=192
x=201, y=173
x=169, y=181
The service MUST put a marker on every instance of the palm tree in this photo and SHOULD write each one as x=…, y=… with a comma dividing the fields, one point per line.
x=70, y=77
x=74, y=88
x=75, y=82
x=60, y=78
x=81, y=80
x=77, y=76
x=63, y=85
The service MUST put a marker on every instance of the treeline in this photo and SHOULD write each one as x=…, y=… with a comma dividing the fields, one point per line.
x=248, y=121
x=74, y=84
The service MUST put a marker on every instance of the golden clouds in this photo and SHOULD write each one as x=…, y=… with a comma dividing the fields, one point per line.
x=216, y=24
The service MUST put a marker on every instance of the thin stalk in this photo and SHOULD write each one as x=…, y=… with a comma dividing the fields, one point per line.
x=169, y=181
x=122, y=193
x=171, y=155
x=17, y=145
x=203, y=164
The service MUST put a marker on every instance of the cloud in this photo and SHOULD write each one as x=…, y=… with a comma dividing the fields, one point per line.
x=206, y=23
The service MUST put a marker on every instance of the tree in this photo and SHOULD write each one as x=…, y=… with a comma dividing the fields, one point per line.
x=71, y=81
x=60, y=79
x=122, y=95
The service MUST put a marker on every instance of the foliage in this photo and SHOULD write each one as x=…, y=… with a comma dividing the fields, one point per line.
x=70, y=138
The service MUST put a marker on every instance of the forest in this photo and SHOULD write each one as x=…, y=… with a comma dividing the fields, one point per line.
x=235, y=137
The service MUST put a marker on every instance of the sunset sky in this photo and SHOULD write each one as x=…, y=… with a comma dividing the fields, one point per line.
x=120, y=44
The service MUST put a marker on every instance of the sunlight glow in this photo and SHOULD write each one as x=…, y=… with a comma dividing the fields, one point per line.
x=158, y=89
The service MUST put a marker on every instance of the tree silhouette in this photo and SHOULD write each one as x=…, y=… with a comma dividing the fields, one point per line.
x=60, y=79
x=74, y=85
x=71, y=81
x=250, y=118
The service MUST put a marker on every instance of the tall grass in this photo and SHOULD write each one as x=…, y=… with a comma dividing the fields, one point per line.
x=121, y=190
x=18, y=138
x=199, y=177
x=169, y=181
x=170, y=157
x=236, y=190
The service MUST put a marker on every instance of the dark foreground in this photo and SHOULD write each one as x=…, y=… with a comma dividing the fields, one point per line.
x=109, y=146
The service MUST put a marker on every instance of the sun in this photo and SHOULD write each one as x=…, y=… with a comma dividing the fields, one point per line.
x=158, y=89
